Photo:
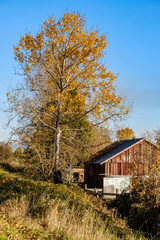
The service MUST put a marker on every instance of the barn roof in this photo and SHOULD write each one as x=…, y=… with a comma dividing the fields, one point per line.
x=113, y=150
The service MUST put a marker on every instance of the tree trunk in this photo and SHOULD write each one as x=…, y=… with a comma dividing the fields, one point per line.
x=57, y=146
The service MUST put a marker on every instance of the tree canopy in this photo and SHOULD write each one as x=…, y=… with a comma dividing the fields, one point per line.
x=125, y=133
x=65, y=81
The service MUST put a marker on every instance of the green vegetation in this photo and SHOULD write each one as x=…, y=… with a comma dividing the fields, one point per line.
x=139, y=214
x=5, y=152
x=41, y=210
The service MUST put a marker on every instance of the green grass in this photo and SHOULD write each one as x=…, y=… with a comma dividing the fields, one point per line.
x=47, y=211
x=11, y=229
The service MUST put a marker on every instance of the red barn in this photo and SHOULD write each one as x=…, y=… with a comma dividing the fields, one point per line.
x=117, y=160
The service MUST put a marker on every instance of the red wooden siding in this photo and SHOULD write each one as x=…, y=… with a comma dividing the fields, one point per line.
x=121, y=164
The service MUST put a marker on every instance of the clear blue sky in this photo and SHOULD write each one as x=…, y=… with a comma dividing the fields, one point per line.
x=133, y=51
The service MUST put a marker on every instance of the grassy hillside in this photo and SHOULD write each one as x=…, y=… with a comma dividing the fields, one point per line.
x=40, y=210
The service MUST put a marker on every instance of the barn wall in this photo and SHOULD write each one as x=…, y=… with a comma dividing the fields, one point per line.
x=120, y=165
x=94, y=174
x=117, y=166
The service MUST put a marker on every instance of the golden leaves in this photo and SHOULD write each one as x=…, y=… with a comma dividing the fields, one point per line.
x=27, y=42
x=69, y=58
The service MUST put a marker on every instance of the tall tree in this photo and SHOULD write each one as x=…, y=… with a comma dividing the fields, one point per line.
x=65, y=80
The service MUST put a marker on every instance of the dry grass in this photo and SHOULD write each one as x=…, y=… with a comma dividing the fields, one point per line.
x=63, y=223
x=18, y=209
x=86, y=227
x=60, y=212
x=60, y=221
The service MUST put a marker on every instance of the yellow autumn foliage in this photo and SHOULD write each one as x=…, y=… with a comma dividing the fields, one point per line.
x=65, y=78
x=71, y=55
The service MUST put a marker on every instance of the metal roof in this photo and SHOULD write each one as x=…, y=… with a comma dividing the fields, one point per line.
x=114, y=149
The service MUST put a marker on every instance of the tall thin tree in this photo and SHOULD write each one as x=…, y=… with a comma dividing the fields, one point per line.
x=64, y=79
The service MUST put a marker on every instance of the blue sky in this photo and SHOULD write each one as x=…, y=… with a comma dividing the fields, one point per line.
x=133, y=50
